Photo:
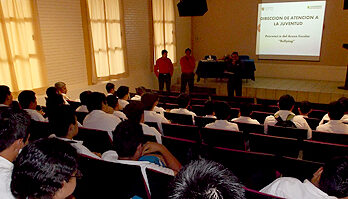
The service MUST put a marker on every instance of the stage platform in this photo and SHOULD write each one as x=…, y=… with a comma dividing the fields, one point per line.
x=271, y=88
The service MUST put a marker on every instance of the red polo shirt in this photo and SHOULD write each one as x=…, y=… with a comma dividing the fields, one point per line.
x=163, y=65
x=187, y=64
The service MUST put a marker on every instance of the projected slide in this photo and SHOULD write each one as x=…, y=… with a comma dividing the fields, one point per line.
x=291, y=30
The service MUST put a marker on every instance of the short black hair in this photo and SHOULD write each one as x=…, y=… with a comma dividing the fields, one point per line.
x=187, y=49
x=127, y=137
x=344, y=102
x=25, y=98
x=109, y=86
x=286, y=102
x=84, y=97
x=222, y=110
x=164, y=51
x=4, y=92
x=209, y=107
x=95, y=101
x=13, y=126
x=112, y=101
x=205, y=179
x=51, y=91
x=122, y=91
x=245, y=109
x=334, y=178
x=61, y=119
x=305, y=107
x=134, y=111
x=140, y=90
x=148, y=100
x=336, y=110
x=184, y=100
x=42, y=167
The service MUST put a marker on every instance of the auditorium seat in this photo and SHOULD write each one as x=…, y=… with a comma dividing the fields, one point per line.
x=184, y=150
x=234, y=112
x=260, y=116
x=201, y=95
x=223, y=138
x=250, y=128
x=197, y=101
x=321, y=151
x=287, y=132
x=267, y=102
x=153, y=124
x=319, y=114
x=181, y=131
x=320, y=106
x=95, y=140
x=38, y=130
x=81, y=116
x=313, y=122
x=159, y=183
x=179, y=118
x=168, y=99
x=198, y=109
x=253, y=194
x=271, y=108
x=202, y=121
x=330, y=137
x=74, y=105
x=200, y=89
x=170, y=106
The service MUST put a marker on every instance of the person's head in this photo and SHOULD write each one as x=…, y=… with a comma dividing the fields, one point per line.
x=344, y=102
x=305, y=108
x=51, y=91
x=96, y=101
x=5, y=95
x=14, y=132
x=110, y=88
x=286, y=102
x=135, y=112
x=53, y=99
x=63, y=122
x=128, y=140
x=235, y=56
x=123, y=92
x=209, y=108
x=61, y=87
x=184, y=100
x=336, y=110
x=27, y=99
x=84, y=97
x=140, y=90
x=46, y=168
x=149, y=100
x=204, y=179
x=188, y=51
x=164, y=53
x=112, y=101
x=245, y=109
x=222, y=110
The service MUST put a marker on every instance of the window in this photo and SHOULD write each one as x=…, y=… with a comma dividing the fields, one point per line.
x=164, y=28
x=106, y=38
x=21, y=65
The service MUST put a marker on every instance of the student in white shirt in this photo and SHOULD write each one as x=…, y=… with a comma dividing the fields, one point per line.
x=83, y=99
x=304, y=109
x=245, y=111
x=329, y=182
x=335, y=125
x=99, y=116
x=184, y=101
x=140, y=91
x=112, y=102
x=5, y=96
x=209, y=109
x=28, y=102
x=61, y=88
x=110, y=88
x=285, y=116
x=344, y=102
x=123, y=95
x=222, y=112
x=13, y=137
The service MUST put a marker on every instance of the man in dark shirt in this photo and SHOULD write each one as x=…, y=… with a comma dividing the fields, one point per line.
x=234, y=67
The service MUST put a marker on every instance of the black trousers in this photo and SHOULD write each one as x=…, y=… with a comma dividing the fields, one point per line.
x=234, y=85
x=187, y=78
x=164, y=78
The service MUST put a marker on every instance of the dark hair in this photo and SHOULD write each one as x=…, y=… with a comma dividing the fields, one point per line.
x=245, y=109
x=305, y=107
x=134, y=111
x=51, y=91
x=148, y=100
x=53, y=100
x=187, y=49
x=140, y=90
x=344, y=102
x=109, y=86
x=222, y=110
x=286, y=102
x=334, y=178
x=336, y=111
x=4, y=92
x=25, y=98
x=61, y=119
x=205, y=179
x=84, y=97
x=164, y=51
x=122, y=91
x=42, y=167
x=209, y=107
x=235, y=53
x=95, y=101
x=184, y=100
x=15, y=106
x=127, y=137
x=13, y=126
x=112, y=101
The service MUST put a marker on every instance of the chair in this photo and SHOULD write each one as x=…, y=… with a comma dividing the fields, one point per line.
x=95, y=140
x=170, y=106
x=201, y=95
x=181, y=131
x=81, y=116
x=266, y=102
x=74, y=105
x=321, y=151
x=198, y=89
x=319, y=106
x=260, y=116
x=241, y=99
x=38, y=130
x=159, y=183
x=184, y=150
x=253, y=194
x=312, y=122
x=319, y=114
x=250, y=128
x=223, y=138
x=287, y=132
x=202, y=121
x=330, y=137
x=197, y=101
x=198, y=109
x=179, y=118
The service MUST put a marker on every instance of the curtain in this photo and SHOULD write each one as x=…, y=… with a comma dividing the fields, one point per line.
x=21, y=60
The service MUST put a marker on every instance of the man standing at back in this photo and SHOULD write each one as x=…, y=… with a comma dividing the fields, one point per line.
x=164, y=71
x=188, y=64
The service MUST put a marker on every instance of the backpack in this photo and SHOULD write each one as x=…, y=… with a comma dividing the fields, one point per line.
x=287, y=123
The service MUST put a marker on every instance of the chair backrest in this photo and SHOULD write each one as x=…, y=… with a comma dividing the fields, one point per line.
x=202, y=121
x=319, y=114
x=159, y=183
x=184, y=150
x=266, y=101
x=95, y=140
x=179, y=118
x=102, y=179
x=223, y=138
x=198, y=101
x=312, y=122
x=250, y=128
x=170, y=106
x=81, y=116
x=260, y=116
x=287, y=132
x=181, y=131
x=198, y=109
x=153, y=124
x=74, y=104
x=38, y=130
x=321, y=151
x=210, y=91
x=253, y=194
x=330, y=137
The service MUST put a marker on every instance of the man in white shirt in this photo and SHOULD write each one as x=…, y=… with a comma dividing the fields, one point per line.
x=83, y=99
x=285, y=117
x=222, y=112
x=304, y=109
x=335, y=125
x=98, y=118
x=344, y=102
x=110, y=88
x=140, y=91
x=245, y=111
x=13, y=137
x=123, y=95
x=329, y=182
x=61, y=88
x=5, y=97
x=184, y=101
x=28, y=102
x=112, y=102
x=209, y=109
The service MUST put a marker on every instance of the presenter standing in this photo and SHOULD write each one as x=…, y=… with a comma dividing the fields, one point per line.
x=188, y=64
x=164, y=71
x=234, y=70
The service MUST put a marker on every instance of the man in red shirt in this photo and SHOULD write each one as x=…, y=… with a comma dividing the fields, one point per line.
x=188, y=64
x=164, y=71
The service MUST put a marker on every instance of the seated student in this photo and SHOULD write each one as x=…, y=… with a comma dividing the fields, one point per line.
x=63, y=123
x=46, y=168
x=184, y=101
x=5, y=97
x=140, y=92
x=135, y=113
x=209, y=109
x=150, y=101
x=245, y=111
x=285, y=117
x=344, y=102
x=98, y=118
x=13, y=137
x=61, y=88
x=112, y=101
x=28, y=102
x=83, y=99
x=335, y=124
x=305, y=109
x=330, y=181
x=222, y=112
x=110, y=88
x=123, y=95
x=205, y=179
